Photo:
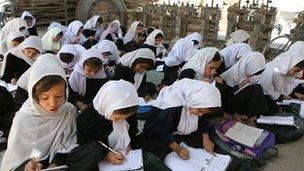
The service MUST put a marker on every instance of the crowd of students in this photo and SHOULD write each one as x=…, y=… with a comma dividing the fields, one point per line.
x=81, y=84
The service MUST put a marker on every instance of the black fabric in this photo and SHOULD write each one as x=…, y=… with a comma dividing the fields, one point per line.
x=109, y=37
x=132, y=45
x=89, y=43
x=14, y=68
x=21, y=96
x=187, y=73
x=171, y=74
x=33, y=31
x=7, y=110
x=153, y=48
x=221, y=69
x=250, y=101
x=298, y=89
x=91, y=126
x=88, y=32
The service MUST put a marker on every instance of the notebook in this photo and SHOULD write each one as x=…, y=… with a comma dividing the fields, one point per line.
x=133, y=161
x=277, y=120
x=244, y=134
x=199, y=160
x=287, y=102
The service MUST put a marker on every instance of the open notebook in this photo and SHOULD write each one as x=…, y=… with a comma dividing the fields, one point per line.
x=133, y=161
x=200, y=160
x=277, y=120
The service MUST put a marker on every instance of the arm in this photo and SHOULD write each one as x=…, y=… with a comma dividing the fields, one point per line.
x=187, y=73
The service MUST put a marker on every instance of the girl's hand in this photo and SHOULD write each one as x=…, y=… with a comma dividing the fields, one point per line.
x=114, y=159
x=31, y=166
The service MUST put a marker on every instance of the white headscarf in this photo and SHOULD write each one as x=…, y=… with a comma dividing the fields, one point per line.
x=181, y=51
x=188, y=93
x=129, y=58
x=77, y=79
x=108, y=46
x=151, y=41
x=71, y=35
x=11, y=26
x=231, y=54
x=120, y=33
x=35, y=132
x=197, y=37
x=13, y=36
x=239, y=36
x=112, y=30
x=28, y=14
x=199, y=61
x=48, y=39
x=115, y=95
x=274, y=78
x=91, y=24
x=131, y=34
x=248, y=65
x=30, y=42
x=56, y=24
x=75, y=50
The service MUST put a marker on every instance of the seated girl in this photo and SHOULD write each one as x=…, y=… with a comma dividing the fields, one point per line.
x=238, y=36
x=43, y=133
x=203, y=65
x=132, y=67
x=134, y=38
x=14, y=39
x=86, y=79
x=93, y=27
x=110, y=32
x=240, y=93
x=17, y=60
x=177, y=116
x=51, y=40
x=30, y=22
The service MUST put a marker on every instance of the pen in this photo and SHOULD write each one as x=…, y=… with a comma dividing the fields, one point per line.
x=56, y=168
x=110, y=149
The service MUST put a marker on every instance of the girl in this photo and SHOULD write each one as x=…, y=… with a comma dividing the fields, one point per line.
x=240, y=93
x=20, y=58
x=109, y=33
x=12, y=26
x=30, y=22
x=176, y=117
x=154, y=42
x=280, y=74
x=86, y=79
x=203, y=65
x=239, y=36
x=69, y=55
x=93, y=27
x=134, y=37
x=45, y=127
x=181, y=52
x=51, y=40
x=132, y=67
x=74, y=34
x=56, y=24
x=14, y=39
x=232, y=53
x=110, y=119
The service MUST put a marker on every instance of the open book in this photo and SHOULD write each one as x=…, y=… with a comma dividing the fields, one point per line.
x=287, y=102
x=278, y=120
x=133, y=161
x=199, y=160
x=244, y=134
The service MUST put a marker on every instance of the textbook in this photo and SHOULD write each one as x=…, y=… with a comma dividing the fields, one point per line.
x=276, y=120
x=133, y=161
x=199, y=160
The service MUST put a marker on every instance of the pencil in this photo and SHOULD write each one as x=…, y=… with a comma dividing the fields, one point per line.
x=56, y=168
x=110, y=149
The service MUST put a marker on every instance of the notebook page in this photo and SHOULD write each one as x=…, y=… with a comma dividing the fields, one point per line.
x=133, y=161
x=244, y=134
x=279, y=120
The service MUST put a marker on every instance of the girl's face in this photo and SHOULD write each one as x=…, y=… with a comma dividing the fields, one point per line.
x=117, y=117
x=57, y=38
x=15, y=43
x=294, y=71
x=199, y=111
x=97, y=24
x=158, y=40
x=31, y=52
x=90, y=71
x=139, y=28
x=141, y=67
x=211, y=68
x=80, y=31
x=29, y=22
x=52, y=99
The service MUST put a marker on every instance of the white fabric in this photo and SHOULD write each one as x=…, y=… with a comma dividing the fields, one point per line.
x=56, y=24
x=273, y=79
x=77, y=79
x=231, y=54
x=181, y=51
x=199, y=61
x=107, y=46
x=129, y=58
x=188, y=93
x=195, y=36
x=35, y=132
x=119, y=32
x=112, y=96
x=71, y=35
x=239, y=36
x=13, y=36
x=30, y=42
x=75, y=50
x=248, y=65
x=48, y=39
x=11, y=26
x=91, y=25
x=131, y=34
x=28, y=14
x=151, y=41
x=112, y=30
